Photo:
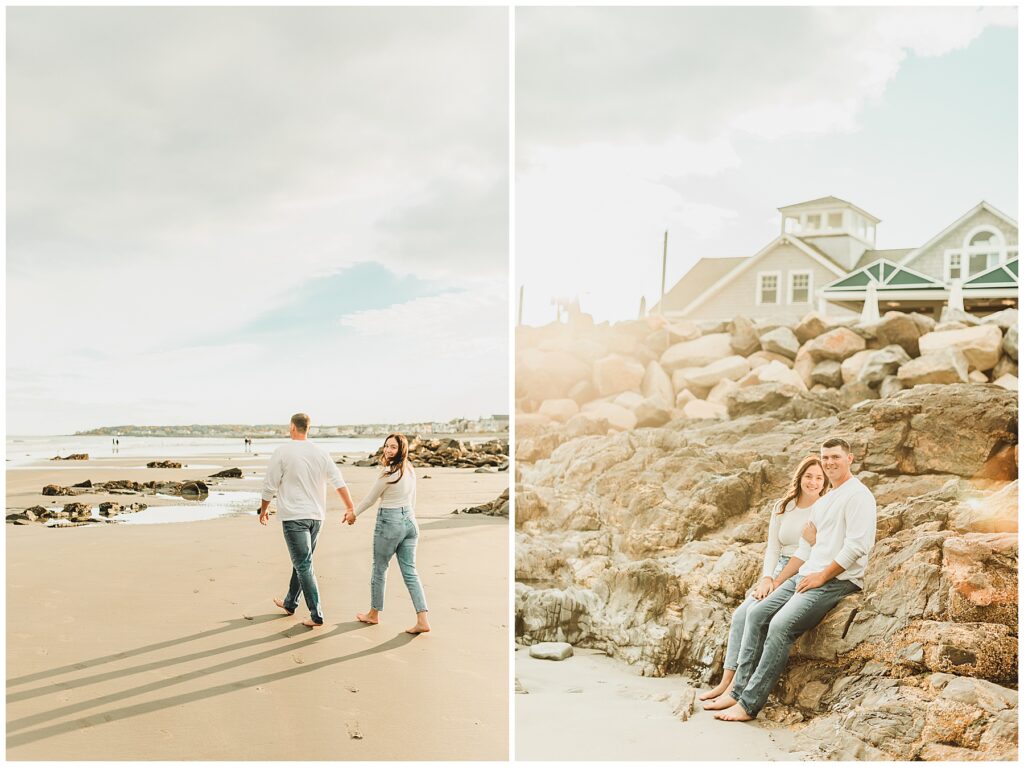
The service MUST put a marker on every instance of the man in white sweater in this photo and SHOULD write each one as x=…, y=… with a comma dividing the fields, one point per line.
x=813, y=582
x=299, y=473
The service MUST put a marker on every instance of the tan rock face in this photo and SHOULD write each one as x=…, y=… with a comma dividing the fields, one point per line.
x=559, y=409
x=945, y=366
x=657, y=384
x=643, y=543
x=981, y=345
x=731, y=368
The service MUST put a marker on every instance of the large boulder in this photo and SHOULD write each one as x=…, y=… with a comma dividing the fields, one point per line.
x=618, y=417
x=903, y=330
x=1010, y=343
x=697, y=353
x=657, y=384
x=559, y=409
x=882, y=363
x=744, y=340
x=811, y=326
x=944, y=366
x=981, y=345
x=544, y=375
x=782, y=341
x=732, y=368
x=616, y=373
x=837, y=344
x=828, y=373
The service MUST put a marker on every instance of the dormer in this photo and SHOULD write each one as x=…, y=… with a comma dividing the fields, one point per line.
x=838, y=228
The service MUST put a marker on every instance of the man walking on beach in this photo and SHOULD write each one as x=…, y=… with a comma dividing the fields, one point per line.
x=832, y=569
x=299, y=473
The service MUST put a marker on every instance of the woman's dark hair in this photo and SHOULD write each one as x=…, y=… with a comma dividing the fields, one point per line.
x=794, y=487
x=396, y=464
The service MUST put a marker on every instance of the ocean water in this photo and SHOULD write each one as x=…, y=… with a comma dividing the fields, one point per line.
x=25, y=451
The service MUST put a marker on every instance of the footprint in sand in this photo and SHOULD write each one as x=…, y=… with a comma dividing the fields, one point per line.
x=298, y=659
x=43, y=651
x=353, y=730
x=261, y=689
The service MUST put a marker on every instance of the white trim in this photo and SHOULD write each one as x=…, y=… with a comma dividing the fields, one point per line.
x=976, y=209
x=810, y=286
x=778, y=288
x=1000, y=240
x=742, y=267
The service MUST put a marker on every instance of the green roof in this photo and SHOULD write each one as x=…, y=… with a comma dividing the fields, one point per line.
x=887, y=275
x=997, y=276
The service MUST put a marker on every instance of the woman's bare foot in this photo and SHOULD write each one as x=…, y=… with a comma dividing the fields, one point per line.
x=722, y=687
x=721, y=702
x=735, y=714
x=312, y=623
x=372, y=617
x=280, y=603
x=421, y=627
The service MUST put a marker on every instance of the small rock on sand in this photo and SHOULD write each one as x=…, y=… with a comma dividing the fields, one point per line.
x=551, y=650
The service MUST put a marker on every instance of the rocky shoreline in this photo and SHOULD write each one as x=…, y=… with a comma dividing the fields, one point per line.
x=648, y=458
x=453, y=453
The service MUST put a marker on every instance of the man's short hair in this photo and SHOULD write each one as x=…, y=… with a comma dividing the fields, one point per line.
x=837, y=442
x=301, y=422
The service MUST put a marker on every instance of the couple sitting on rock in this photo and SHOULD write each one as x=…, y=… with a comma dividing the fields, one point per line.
x=819, y=539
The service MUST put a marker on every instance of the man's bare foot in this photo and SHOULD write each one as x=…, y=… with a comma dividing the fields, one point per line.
x=735, y=714
x=721, y=702
x=715, y=692
x=280, y=603
x=371, y=617
x=421, y=627
x=312, y=623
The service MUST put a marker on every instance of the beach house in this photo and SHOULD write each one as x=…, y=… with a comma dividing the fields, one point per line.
x=825, y=259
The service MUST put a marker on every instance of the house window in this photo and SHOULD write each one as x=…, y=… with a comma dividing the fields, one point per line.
x=814, y=221
x=953, y=269
x=835, y=220
x=768, y=288
x=799, y=287
x=792, y=225
x=979, y=262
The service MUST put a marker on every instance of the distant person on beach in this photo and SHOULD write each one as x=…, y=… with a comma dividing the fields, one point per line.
x=813, y=582
x=299, y=473
x=790, y=522
x=396, y=533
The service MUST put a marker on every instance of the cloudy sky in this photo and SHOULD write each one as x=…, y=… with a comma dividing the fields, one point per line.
x=228, y=215
x=704, y=121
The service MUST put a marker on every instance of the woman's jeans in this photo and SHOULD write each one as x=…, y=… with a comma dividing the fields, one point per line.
x=396, y=535
x=772, y=625
x=300, y=536
x=739, y=618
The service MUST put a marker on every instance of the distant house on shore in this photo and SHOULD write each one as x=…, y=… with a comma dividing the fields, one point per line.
x=825, y=258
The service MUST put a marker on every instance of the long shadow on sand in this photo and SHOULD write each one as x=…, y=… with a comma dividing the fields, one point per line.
x=127, y=712
x=231, y=625
x=74, y=708
x=106, y=676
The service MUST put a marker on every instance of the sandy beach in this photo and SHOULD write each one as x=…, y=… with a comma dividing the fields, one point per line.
x=160, y=641
x=590, y=707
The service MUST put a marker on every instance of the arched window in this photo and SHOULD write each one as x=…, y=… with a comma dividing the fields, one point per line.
x=983, y=249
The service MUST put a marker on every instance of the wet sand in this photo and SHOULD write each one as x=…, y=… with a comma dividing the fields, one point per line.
x=591, y=707
x=160, y=641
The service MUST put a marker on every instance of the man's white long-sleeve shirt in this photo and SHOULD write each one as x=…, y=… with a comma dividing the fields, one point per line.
x=299, y=473
x=845, y=519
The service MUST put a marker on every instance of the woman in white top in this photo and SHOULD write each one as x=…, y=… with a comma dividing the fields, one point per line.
x=789, y=522
x=396, y=533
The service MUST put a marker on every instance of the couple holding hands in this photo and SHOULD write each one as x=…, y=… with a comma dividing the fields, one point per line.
x=298, y=473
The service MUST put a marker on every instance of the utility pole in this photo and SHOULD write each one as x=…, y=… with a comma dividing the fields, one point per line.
x=664, y=263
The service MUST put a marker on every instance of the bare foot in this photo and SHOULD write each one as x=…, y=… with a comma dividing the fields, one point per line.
x=280, y=603
x=312, y=624
x=421, y=627
x=714, y=693
x=370, y=617
x=735, y=714
x=722, y=701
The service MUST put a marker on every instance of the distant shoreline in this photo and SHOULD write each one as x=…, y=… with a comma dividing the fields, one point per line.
x=262, y=436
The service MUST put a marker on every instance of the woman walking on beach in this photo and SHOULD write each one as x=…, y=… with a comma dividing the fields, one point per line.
x=396, y=533
x=789, y=522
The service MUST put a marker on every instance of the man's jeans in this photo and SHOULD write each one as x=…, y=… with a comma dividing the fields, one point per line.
x=300, y=536
x=739, y=619
x=396, y=534
x=772, y=625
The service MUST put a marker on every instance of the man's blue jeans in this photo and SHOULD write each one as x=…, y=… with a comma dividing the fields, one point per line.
x=300, y=536
x=396, y=535
x=772, y=625
x=739, y=620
